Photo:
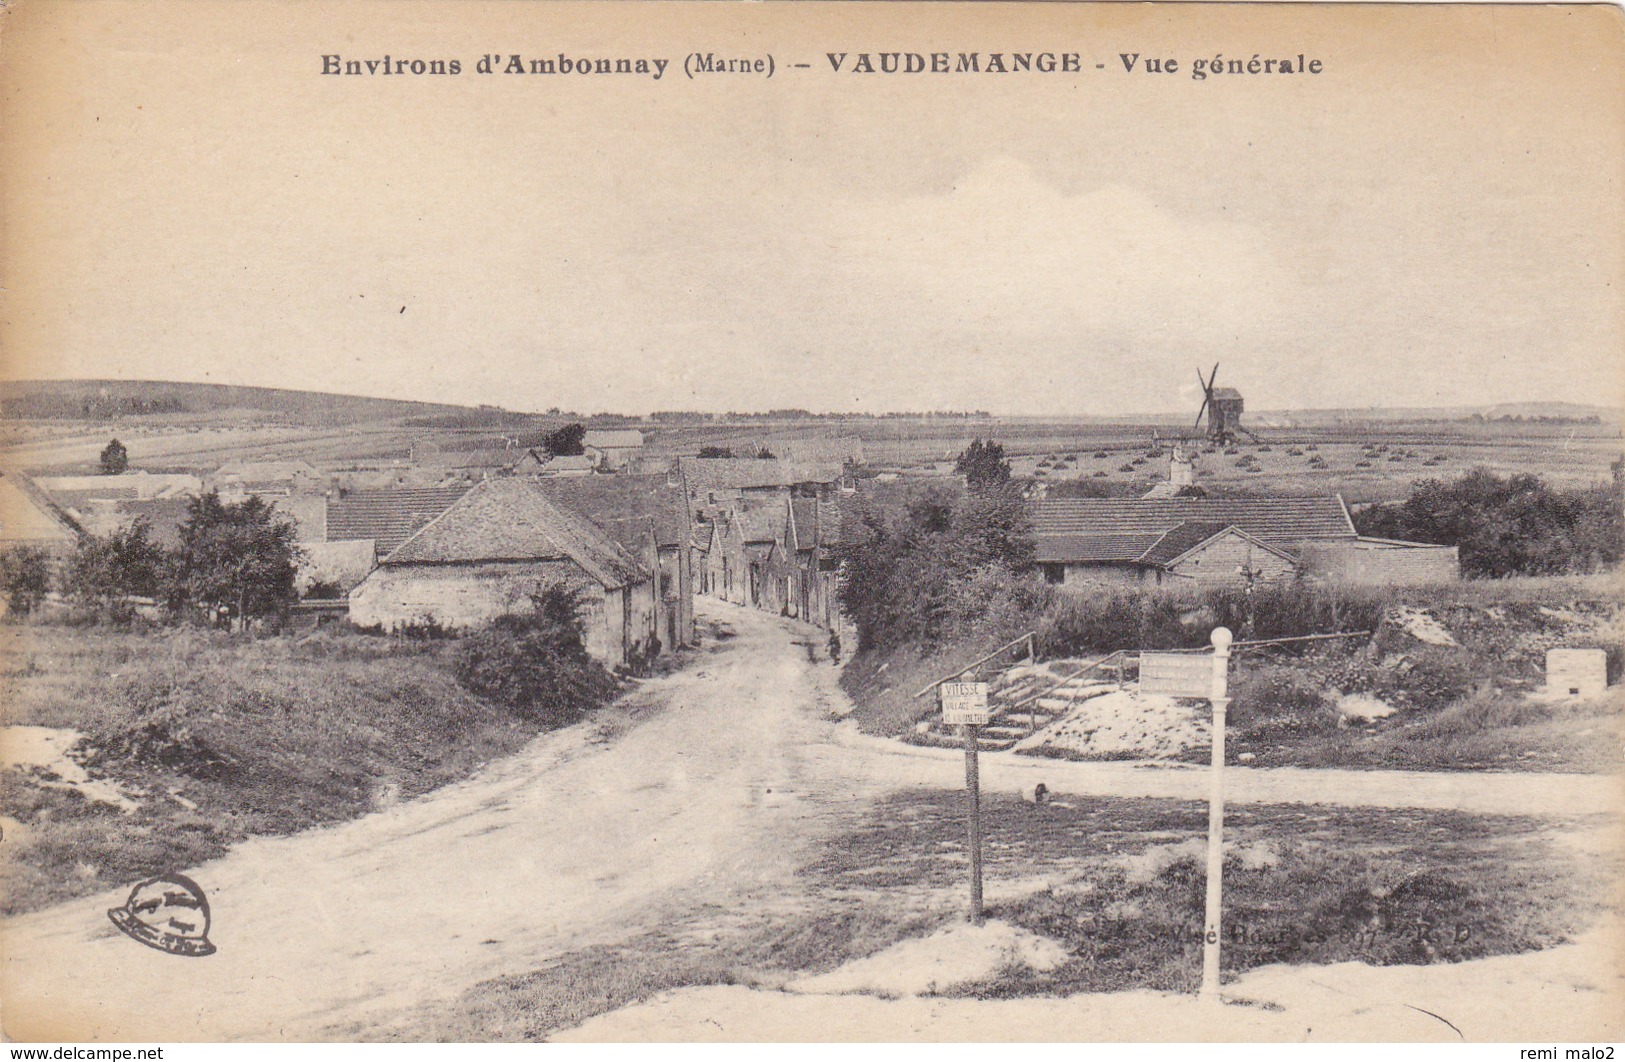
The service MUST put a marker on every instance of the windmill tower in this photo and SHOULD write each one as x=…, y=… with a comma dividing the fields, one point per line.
x=1222, y=406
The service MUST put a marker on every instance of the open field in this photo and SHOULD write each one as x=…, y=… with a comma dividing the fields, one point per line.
x=1294, y=452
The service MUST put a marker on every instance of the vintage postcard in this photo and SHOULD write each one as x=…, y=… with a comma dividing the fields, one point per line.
x=812, y=522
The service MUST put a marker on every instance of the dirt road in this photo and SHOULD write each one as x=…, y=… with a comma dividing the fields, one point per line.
x=572, y=842
x=713, y=781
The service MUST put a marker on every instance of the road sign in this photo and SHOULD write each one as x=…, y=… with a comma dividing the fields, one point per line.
x=1212, y=931
x=965, y=703
x=1176, y=674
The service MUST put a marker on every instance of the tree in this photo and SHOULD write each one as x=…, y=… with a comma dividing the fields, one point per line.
x=983, y=465
x=716, y=451
x=1513, y=525
x=237, y=560
x=115, y=458
x=25, y=578
x=566, y=441
x=924, y=562
x=107, y=570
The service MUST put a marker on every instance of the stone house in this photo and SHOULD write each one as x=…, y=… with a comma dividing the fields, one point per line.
x=811, y=535
x=611, y=450
x=1082, y=542
x=494, y=547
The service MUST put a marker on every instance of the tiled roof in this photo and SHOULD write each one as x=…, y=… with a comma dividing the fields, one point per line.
x=1180, y=540
x=78, y=499
x=388, y=516
x=805, y=512
x=829, y=522
x=512, y=519
x=1278, y=521
x=624, y=505
x=28, y=515
x=343, y=563
x=1092, y=549
x=567, y=463
x=765, y=524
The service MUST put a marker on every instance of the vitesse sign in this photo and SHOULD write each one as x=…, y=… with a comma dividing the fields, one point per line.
x=965, y=703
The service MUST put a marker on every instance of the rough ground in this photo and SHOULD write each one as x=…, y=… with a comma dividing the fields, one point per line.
x=710, y=783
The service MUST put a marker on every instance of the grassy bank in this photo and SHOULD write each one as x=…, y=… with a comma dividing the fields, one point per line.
x=219, y=738
x=1119, y=882
x=882, y=683
x=1472, y=702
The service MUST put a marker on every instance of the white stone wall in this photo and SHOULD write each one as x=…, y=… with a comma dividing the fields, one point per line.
x=1381, y=563
x=466, y=596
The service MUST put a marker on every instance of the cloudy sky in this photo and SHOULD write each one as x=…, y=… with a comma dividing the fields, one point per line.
x=1436, y=218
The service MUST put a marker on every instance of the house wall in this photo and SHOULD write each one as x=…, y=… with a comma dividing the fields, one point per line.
x=1380, y=563
x=1216, y=564
x=469, y=595
x=1087, y=576
x=642, y=612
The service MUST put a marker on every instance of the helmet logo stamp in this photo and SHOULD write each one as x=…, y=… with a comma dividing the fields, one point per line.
x=169, y=913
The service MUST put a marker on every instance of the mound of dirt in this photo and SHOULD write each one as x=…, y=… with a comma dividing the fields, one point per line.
x=1119, y=724
x=950, y=956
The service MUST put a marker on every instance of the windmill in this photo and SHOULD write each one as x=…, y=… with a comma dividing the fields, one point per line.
x=1222, y=407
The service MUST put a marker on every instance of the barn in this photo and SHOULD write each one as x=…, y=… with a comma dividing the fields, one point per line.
x=1083, y=542
x=489, y=551
x=611, y=450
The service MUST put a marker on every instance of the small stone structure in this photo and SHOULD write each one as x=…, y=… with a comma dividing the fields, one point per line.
x=1581, y=673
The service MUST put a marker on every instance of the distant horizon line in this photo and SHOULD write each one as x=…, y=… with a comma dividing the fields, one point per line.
x=1464, y=407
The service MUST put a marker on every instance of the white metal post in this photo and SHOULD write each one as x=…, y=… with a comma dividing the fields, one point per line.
x=1212, y=922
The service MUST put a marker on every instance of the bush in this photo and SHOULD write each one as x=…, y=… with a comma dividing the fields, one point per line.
x=1516, y=525
x=535, y=663
x=1271, y=702
x=107, y=570
x=1295, y=609
x=1078, y=625
x=1184, y=619
x=25, y=578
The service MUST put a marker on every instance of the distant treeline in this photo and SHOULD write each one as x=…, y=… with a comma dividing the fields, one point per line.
x=669, y=416
x=107, y=399
x=42, y=406
x=1519, y=418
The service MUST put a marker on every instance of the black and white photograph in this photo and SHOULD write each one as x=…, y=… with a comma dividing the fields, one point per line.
x=810, y=522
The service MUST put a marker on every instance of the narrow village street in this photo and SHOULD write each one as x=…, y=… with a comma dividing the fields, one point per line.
x=716, y=780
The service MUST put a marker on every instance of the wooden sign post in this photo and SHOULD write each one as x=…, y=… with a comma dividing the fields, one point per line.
x=965, y=704
x=1212, y=922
